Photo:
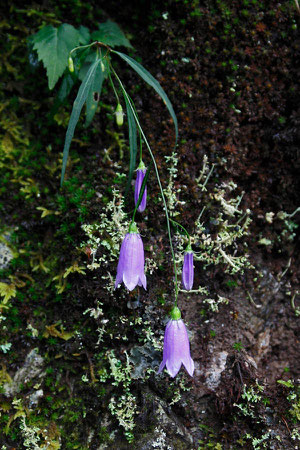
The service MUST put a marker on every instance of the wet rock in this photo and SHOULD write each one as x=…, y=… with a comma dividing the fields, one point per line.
x=262, y=345
x=214, y=372
x=32, y=368
x=167, y=432
x=6, y=255
x=143, y=357
x=34, y=398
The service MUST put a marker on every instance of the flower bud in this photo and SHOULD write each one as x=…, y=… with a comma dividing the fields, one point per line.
x=71, y=64
x=188, y=269
x=140, y=174
x=119, y=115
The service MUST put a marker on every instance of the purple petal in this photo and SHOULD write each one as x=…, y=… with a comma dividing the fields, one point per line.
x=188, y=271
x=176, y=349
x=131, y=262
x=140, y=174
x=143, y=281
x=121, y=262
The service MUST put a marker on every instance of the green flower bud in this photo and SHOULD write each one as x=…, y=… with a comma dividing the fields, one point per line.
x=119, y=115
x=71, y=64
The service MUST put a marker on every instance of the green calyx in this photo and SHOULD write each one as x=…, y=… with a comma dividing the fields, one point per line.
x=133, y=228
x=188, y=249
x=141, y=166
x=175, y=313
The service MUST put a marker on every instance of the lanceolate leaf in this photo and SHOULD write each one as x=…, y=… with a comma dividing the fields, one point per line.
x=86, y=84
x=132, y=131
x=53, y=46
x=65, y=87
x=111, y=34
x=152, y=82
x=94, y=95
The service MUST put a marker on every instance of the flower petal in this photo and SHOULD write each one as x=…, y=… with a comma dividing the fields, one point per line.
x=188, y=271
x=140, y=174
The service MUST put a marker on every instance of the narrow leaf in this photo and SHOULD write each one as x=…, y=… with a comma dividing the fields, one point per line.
x=65, y=87
x=53, y=46
x=111, y=34
x=77, y=107
x=94, y=95
x=153, y=83
x=132, y=132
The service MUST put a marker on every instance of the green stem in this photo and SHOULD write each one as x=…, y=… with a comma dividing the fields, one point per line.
x=141, y=147
x=113, y=86
x=81, y=46
x=179, y=225
x=158, y=180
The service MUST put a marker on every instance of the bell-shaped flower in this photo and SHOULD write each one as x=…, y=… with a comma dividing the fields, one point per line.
x=188, y=269
x=140, y=174
x=131, y=261
x=176, y=346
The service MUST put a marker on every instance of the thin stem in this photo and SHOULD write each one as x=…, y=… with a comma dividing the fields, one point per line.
x=113, y=86
x=252, y=301
x=207, y=178
x=158, y=180
x=202, y=211
x=295, y=212
x=82, y=46
x=141, y=147
x=178, y=224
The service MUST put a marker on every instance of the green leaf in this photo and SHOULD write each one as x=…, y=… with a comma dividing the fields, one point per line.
x=85, y=62
x=84, y=35
x=132, y=132
x=111, y=34
x=94, y=95
x=77, y=107
x=53, y=46
x=153, y=83
x=65, y=87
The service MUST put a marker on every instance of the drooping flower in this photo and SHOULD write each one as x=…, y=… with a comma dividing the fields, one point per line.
x=176, y=346
x=188, y=269
x=131, y=261
x=140, y=174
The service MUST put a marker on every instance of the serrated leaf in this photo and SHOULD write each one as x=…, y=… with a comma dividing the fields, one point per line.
x=132, y=132
x=77, y=107
x=94, y=95
x=111, y=34
x=53, y=46
x=143, y=73
x=84, y=35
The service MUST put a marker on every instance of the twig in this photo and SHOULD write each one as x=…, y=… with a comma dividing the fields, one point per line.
x=252, y=301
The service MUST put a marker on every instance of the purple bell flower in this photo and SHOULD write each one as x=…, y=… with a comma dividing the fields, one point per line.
x=131, y=261
x=176, y=346
x=188, y=269
x=140, y=174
